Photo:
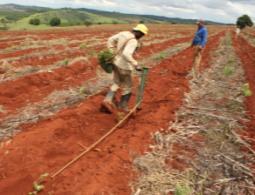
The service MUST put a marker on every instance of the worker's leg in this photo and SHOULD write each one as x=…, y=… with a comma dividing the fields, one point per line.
x=108, y=102
x=116, y=79
x=196, y=62
x=126, y=86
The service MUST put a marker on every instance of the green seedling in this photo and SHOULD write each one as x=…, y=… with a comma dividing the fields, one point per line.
x=161, y=56
x=228, y=70
x=66, y=62
x=32, y=193
x=83, y=46
x=231, y=61
x=82, y=90
x=228, y=42
x=43, y=177
x=37, y=185
x=246, y=90
x=182, y=189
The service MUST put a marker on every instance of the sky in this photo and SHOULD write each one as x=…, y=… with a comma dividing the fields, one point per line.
x=226, y=11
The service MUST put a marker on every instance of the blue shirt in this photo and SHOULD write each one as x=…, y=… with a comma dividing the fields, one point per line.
x=200, y=37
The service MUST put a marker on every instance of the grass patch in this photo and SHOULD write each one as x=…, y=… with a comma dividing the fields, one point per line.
x=182, y=189
x=228, y=70
x=66, y=62
x=69, y=17
x=161, y=56
x=83, y=46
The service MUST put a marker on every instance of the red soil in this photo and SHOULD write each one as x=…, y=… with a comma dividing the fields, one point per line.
x=42, y=36
x=6, y=45
x=161, y=46
x=247, y=55
x=37, y=50
x=21, y=52
x=49, y=59
x=47, y=145
x=32, y=88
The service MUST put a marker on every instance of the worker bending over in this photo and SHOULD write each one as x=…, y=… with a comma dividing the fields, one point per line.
x=123, y=45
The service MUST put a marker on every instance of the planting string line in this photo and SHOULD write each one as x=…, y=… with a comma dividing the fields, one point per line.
x=97, y=142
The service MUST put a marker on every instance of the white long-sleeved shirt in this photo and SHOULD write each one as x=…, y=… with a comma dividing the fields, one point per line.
x=124, y=58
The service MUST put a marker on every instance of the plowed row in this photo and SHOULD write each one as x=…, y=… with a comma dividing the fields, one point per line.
x=39, y=85
x=247, y=55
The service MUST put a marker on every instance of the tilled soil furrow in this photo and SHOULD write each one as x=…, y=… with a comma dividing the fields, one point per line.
x=61, y=99
x=246, y=53
x=33, y=88
x=45, y=58
x=31, y=46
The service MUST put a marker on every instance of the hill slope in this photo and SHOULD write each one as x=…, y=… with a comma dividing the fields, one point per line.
x=18, y=16
x=145, y=18
x=70, y=17
x=15, y=12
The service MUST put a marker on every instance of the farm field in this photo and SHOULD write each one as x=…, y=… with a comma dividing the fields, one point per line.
x=51, y=88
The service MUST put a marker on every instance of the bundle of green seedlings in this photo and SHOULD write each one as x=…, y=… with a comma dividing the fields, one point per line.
x=105, y=58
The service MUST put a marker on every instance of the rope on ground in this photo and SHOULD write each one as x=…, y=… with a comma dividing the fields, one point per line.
x=96, y=143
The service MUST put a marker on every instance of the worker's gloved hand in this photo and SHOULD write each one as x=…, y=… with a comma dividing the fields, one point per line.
x=138, y=68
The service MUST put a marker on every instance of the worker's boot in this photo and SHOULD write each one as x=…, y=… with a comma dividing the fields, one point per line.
x=108, y=104
x=123, y=105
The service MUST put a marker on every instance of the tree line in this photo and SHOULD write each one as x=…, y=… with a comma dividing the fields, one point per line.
x=55, y=21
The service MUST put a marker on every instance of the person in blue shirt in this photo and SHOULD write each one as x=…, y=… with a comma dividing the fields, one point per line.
x=199, y=43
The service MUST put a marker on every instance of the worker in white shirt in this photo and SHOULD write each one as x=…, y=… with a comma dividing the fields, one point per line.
x=123, y=44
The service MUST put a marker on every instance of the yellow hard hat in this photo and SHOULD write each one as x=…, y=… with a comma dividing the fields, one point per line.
x=142, y=28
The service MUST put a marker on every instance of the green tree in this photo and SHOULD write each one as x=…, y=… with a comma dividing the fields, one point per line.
x=244, y=21
x=87, y=23
x=55, y=21
x=34, y=21
x=4, y=22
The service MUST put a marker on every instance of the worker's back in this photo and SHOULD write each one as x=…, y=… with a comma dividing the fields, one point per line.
x=124, y=44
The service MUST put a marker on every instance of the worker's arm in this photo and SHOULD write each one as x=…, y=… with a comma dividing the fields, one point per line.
x=194, y=40
x=112, y=42
x=129, y=51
